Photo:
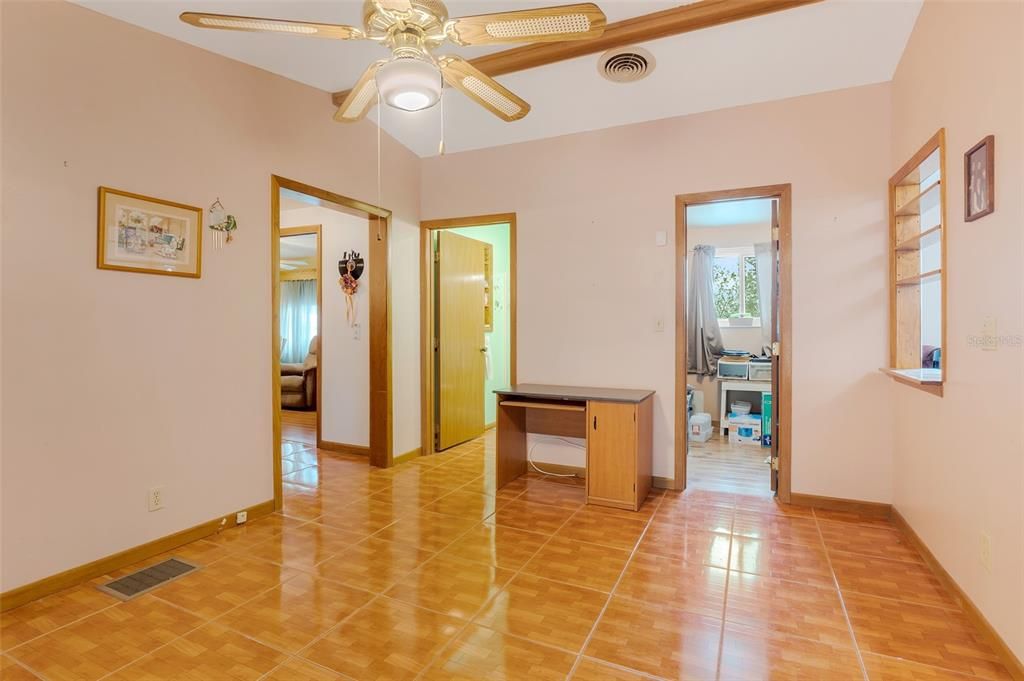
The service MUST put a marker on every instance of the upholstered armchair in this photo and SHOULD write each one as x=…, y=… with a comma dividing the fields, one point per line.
x=298, y=381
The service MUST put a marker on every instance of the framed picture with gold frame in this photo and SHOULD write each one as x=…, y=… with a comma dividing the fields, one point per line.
x=139, y=233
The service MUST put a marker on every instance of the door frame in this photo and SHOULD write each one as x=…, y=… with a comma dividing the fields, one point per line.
x=427, y=311
x=299, y=231
x=784, y=400
x=381, y=452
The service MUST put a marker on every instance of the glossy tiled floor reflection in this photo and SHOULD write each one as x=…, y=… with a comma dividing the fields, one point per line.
x=425, y=571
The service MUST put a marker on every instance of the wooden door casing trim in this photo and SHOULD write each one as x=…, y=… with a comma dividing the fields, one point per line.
x=427, y=310
x=782, y=402
x=381, y=417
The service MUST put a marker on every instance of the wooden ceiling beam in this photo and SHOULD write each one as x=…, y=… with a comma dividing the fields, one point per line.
x=669, y=22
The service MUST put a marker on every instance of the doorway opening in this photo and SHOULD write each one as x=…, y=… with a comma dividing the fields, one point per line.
x=468, y=324
x=299, y=310
x=331, y=368
x=733, y=363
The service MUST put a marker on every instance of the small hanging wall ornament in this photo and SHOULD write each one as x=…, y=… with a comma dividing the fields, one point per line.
x=222, y=224
x=350, y=267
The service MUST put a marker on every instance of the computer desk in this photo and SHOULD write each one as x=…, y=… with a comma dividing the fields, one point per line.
x=616, y=423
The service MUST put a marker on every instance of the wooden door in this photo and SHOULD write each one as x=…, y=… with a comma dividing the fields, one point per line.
x=611, y=452
x=460, y=339
x=776, y=359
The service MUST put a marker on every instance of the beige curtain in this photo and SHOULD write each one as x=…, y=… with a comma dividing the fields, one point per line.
x=703, y=335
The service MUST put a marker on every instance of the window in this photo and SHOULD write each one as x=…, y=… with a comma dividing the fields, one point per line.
x=735, y=284
x=917, y=258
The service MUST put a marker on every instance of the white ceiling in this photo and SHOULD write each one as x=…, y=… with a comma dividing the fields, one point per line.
x=827, y=46
x=292, y=200
x=298, y=252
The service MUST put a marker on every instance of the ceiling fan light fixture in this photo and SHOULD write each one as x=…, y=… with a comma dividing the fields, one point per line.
x=409, y=83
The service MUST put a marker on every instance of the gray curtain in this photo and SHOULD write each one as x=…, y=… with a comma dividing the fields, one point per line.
x=765, y=267
x=298, y=319
x=703, y=335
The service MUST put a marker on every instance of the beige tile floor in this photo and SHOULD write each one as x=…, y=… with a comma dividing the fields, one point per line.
x=425, y=571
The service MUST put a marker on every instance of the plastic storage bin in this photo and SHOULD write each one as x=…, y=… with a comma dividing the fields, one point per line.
x=760, y=370
x=700, y=427
x=745, y=429
x=740, y=408
x=733, y=368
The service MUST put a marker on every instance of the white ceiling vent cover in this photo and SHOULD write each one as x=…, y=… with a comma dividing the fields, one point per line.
x=626, y=64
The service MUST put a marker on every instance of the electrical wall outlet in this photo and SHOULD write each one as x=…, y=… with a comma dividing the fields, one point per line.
x=156, y=498
x=985, y=556
x=241, y=517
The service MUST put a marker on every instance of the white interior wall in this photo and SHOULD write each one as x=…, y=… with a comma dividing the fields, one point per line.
x=344, y=349
x=404, y=289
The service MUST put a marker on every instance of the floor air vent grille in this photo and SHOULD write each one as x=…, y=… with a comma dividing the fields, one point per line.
x=147, y=579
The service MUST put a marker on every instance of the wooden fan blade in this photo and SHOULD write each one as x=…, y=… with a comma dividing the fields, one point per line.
x=483, y=89
x=547, y=24
x=361, y=98
x=261, y=25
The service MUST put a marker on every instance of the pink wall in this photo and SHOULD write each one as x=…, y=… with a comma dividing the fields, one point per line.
x=116, y=382
x=959, y=459
x=592, y=282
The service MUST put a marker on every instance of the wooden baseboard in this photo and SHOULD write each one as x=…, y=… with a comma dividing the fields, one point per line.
x=1012, y=663
x=868, y=508
x=408, y=456
x=82, y=573
x=342, y=448
x=663, y=483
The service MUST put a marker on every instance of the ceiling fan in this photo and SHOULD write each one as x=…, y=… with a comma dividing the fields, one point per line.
x=413, y=77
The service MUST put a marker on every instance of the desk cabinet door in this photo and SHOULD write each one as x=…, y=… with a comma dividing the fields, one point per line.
x=611, y=449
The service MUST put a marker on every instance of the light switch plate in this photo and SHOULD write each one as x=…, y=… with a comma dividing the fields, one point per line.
x=985, y=554
x=661, y=238
x=989, y=334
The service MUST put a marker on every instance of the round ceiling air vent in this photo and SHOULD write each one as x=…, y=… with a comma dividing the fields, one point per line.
x=626, y=64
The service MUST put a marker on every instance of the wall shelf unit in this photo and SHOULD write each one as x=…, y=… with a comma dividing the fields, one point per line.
x=917, y=269
x=913, y=243
x=916, y=279
x=927, y=197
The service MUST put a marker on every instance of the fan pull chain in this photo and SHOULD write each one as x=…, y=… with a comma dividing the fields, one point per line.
x=380, y=112
x=440, y=103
